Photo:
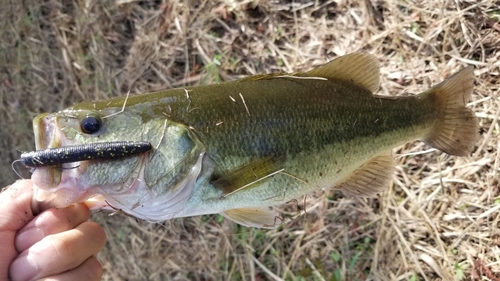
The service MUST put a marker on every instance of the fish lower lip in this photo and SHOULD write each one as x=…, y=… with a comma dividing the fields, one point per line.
x=58, y=187
x=61, y=198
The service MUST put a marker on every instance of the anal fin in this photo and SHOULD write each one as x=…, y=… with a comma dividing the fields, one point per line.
x=370, y=178
x=254, y=217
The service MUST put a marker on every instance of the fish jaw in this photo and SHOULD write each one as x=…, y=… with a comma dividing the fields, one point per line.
x=133, y=197
x=71, y=187
x=67, y=189
x=142, y=202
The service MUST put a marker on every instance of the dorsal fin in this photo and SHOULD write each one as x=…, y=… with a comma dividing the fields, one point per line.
x=359, y=68
x=264, y=76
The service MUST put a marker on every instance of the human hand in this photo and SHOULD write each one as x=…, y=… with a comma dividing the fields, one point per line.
x=57, y=244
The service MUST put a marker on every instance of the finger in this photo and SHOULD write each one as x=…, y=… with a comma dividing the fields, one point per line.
x=50, y=222
x=59, y=252
x=89, y=270
x=15, y=205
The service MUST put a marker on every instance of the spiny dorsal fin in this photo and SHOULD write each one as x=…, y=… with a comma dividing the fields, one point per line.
x=247, y=175
x=263, y=77
x=254, y=217
x=371, y=178
x=359, y=68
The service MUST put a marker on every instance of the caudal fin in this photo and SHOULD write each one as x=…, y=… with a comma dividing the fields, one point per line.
x=456, y=129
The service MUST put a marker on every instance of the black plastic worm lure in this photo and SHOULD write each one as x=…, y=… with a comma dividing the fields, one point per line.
x=82, y=152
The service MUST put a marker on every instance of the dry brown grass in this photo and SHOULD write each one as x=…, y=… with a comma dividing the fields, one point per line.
x=439, y=220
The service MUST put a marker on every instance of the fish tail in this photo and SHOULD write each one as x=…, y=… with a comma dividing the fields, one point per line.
x=456, y=129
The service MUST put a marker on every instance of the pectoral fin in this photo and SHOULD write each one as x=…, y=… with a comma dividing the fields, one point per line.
x=371, y=178
x=247, y=176
x=254, y=217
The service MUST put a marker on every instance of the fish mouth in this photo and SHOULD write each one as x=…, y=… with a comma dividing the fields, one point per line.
x=57, y=186
x=44, y=129
x=69, y=189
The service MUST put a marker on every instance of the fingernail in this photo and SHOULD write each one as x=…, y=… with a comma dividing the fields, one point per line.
x=23, y=268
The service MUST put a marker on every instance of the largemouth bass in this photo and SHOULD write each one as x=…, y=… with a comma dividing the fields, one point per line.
x=239, y=147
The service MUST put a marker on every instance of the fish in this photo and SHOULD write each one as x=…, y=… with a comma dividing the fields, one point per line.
x=243, y=147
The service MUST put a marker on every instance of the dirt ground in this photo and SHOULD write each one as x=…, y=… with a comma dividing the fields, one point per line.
x=439, y=219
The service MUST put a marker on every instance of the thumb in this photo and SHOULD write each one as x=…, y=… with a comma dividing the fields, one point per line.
x=15, y=213
x=16, y=203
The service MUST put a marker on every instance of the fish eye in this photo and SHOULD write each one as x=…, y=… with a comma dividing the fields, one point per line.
x=90, y=124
